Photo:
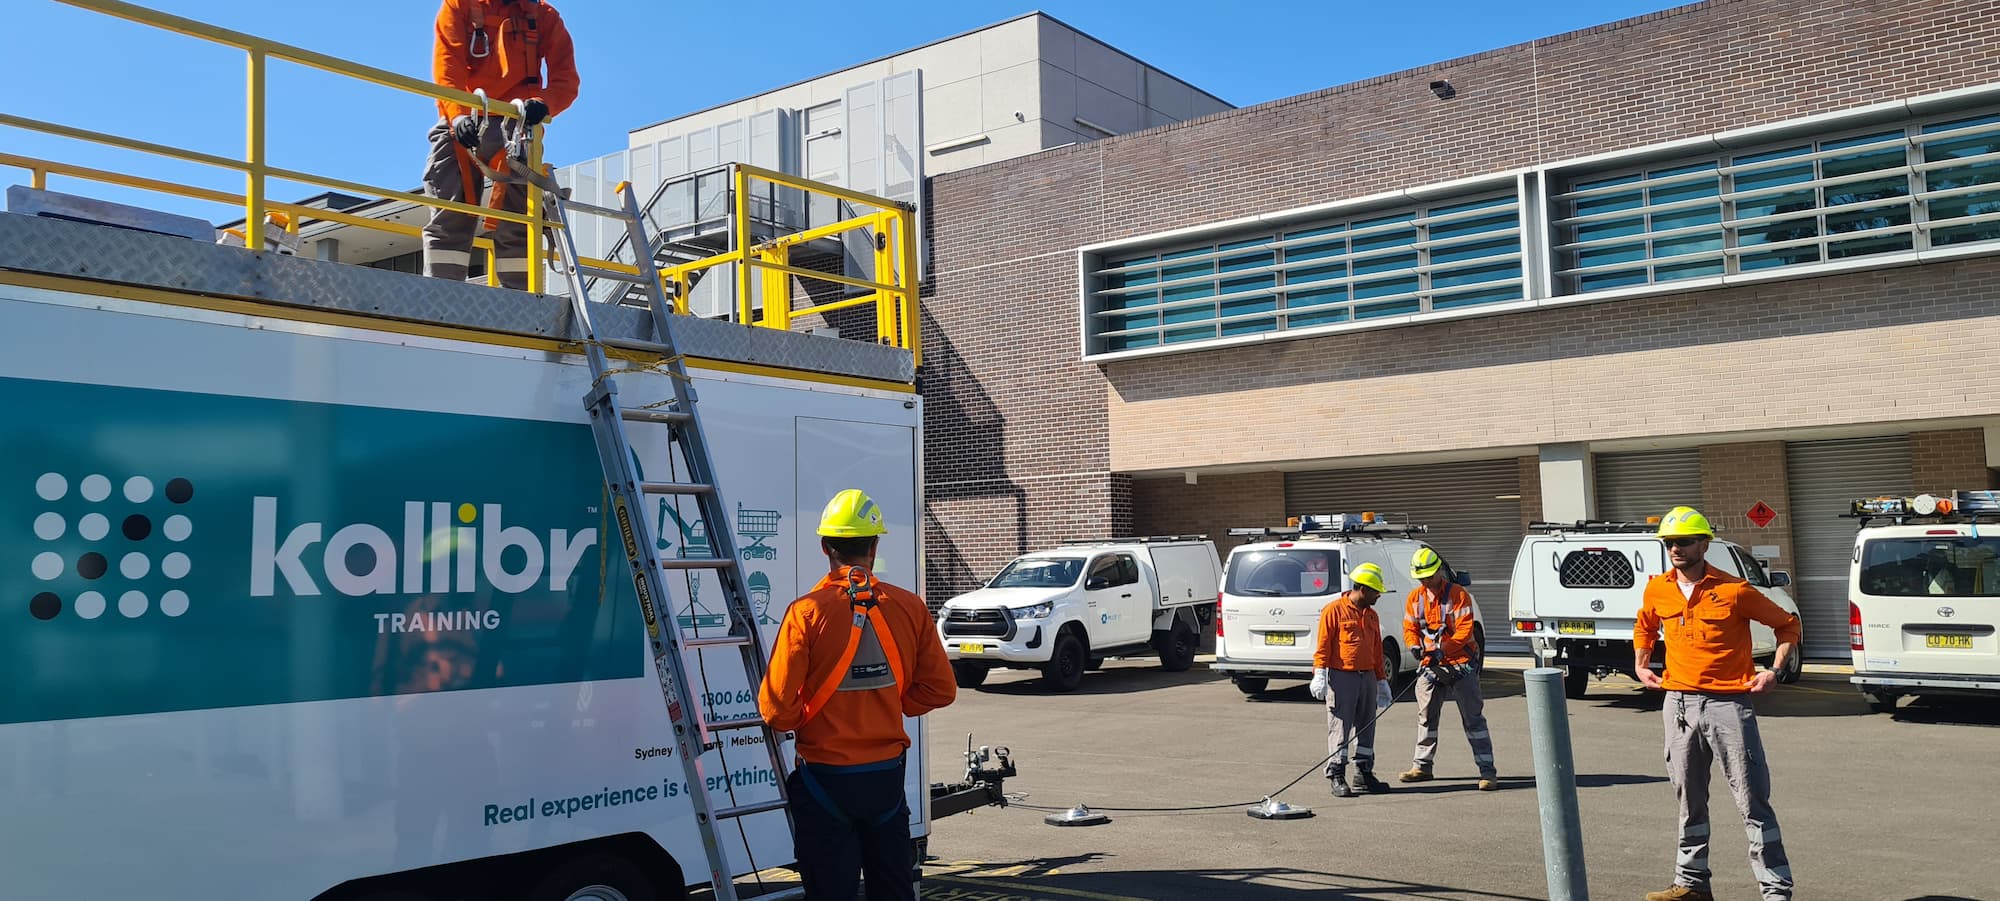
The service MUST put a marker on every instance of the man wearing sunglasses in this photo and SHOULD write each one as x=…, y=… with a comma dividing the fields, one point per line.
x=1704, y=616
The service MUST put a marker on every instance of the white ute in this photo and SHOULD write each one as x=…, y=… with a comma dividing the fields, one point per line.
x=1924, y=597
x=1577, y=586
x=1064, y=611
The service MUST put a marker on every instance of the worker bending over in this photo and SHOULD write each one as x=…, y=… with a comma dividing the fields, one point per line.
x=1348, y=671
x=853, y=657
x=1437, y=624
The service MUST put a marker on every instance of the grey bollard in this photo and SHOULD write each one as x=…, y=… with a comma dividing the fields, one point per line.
x=1555, y=785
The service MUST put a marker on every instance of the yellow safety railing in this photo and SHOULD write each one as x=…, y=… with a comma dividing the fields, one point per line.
x=255, y=165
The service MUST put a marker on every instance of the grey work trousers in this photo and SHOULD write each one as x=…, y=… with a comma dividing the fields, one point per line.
x=448, y=235
x=1350, y=719
x=1702, y=729
x=1471, y=715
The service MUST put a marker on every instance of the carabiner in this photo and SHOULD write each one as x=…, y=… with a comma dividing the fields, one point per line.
x=479, y=45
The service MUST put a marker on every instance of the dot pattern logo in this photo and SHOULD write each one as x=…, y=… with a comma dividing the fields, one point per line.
x=97, y=570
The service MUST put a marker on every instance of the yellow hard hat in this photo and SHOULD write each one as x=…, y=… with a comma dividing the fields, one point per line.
x=1368, y=575
x=851, y=514
x=1425, y=563
x=1682, y=522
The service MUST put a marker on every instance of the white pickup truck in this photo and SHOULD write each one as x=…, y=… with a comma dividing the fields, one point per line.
x=1064, y=611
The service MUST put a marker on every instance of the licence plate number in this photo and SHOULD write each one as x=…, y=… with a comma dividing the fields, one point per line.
x=972, y=649
x=1283, y=639
x=1576, y=627
x=1948, y=641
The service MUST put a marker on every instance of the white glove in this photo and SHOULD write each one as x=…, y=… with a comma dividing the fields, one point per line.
x=1319, y=684
x=1382, y=698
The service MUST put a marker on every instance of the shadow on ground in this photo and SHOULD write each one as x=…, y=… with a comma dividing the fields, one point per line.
x=1112, y=680
x=1034, y=880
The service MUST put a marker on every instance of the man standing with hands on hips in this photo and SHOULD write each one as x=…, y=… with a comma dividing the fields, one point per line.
x=1704, y=615
x=1348, y=660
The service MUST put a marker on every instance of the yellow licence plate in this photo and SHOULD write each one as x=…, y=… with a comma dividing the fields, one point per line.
x=1576, y=627
x=1285, y=639
x=1948, y=641
x=972, y=649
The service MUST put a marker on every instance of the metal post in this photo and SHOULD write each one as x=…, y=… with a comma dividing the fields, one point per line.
x=538, y=267
x=1555, y=785
x=253, y=176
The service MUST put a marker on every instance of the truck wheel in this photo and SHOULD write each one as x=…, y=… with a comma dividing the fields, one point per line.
x=1392, y=660
x=1794, y=668
x=595, y=877
x=1177, y=647
x=1576, y=682
x=1095, y=664
x=969, y=675
x=1250, y=685
x=1065, y=667
x=1880, y=702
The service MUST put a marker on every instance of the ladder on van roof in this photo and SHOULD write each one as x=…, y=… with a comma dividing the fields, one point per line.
x=694, y=732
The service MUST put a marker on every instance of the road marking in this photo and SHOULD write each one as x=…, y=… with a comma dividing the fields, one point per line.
x=1015, y=890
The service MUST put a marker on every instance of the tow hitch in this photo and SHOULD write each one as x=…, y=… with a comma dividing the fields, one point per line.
x=983, y=785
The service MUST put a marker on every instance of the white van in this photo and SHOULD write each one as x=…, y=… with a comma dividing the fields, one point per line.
x=1924, y=592
x=1274, y=590
x=1577, y=588
x=1064, y=611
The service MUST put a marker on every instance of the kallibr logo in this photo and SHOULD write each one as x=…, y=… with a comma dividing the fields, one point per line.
x=154, y=532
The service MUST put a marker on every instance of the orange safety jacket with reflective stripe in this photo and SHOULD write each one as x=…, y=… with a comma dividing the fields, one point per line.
x=1708, y=633
x=1451, y=620
x=815, y=648
x=499, y=46
x=1350, y=638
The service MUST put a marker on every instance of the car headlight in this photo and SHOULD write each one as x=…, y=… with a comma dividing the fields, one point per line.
x=1036, y=612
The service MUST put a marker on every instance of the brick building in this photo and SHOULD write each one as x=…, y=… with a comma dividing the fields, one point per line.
x=1731, y=252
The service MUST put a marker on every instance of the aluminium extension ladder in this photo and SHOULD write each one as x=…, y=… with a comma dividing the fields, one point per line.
x=694, y=733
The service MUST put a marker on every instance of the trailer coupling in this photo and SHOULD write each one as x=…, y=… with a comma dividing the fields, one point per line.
x=984, y=785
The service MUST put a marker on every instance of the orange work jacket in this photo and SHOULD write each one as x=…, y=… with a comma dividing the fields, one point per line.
x=506, y=62
x=1350, y=638
x=853, y=727
x=1452, y=620
x=1708, y=633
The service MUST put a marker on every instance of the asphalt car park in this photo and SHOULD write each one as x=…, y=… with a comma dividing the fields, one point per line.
x=1873, y=807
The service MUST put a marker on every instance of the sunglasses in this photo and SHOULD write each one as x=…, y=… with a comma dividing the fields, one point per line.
x=1683, y=542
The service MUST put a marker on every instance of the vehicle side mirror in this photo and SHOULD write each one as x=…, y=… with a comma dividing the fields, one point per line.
x=1462, y=578
x=1780, y=579
x=1097, y=583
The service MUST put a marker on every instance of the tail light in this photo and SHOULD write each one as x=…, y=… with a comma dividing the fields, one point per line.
x=1528, y=625
x=1854, y=626
x=1218, y=614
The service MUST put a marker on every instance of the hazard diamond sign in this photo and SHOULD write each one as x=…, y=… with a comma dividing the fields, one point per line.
x=1761, y=514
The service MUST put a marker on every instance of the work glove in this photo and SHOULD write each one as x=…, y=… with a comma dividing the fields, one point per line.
x=465, y=130
x=533, y=111
x=1319, y=684
x=1382, y=698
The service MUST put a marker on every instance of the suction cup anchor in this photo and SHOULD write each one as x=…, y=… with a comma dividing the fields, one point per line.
x=1079, y=815
x=1278, y=810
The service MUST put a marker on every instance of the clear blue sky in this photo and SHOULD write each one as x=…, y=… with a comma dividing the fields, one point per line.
x=642, y=62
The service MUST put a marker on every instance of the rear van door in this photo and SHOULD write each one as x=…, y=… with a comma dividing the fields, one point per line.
x=1590, y=586
x=1276, y=594
x=1929, y=603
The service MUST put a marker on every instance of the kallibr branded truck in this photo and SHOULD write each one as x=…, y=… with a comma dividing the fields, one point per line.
x=305, y=588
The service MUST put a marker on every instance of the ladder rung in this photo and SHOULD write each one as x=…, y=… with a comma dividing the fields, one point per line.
x=635, y=344
x=642, y=414
x=610, y=275
x=695, y=563
x=596, y=210
x=750, y=721
x=744, y=810
x=676, y=488
x=719, y=641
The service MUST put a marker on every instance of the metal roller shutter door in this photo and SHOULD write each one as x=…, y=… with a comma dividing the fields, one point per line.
x=1825, y=476
x=1634, y=486
x=1472, y=510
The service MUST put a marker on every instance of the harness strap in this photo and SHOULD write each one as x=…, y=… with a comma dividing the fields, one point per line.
x=861, y=594
x=825, y=801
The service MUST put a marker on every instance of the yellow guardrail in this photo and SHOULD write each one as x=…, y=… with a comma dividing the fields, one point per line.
x=893, y=292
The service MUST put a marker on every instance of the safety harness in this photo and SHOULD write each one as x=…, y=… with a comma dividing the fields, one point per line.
x=479, y=45
x=1441, y=673
x=871, y=661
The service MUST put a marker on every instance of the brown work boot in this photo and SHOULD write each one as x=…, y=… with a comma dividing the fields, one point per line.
x=1679, y=893
x=1417, y=773
x=1489, y=784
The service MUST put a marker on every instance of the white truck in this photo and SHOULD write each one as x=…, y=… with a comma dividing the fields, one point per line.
x=1066, y=610
x=1924, y=584
x=1577, y=587
x=310, y=589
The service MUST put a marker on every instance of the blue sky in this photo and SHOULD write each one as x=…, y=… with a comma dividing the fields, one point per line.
x=641, y=62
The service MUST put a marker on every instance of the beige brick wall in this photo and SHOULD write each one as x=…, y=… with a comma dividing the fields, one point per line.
x=1735, y=477
x=1212, y=506
x=1949, y=460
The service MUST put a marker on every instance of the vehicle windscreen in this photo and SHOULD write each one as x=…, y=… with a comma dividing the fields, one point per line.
x=1955, y=566
x=1039, y=572
x=1288, y=572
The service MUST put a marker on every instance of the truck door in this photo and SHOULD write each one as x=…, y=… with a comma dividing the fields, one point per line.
x=1114, y=601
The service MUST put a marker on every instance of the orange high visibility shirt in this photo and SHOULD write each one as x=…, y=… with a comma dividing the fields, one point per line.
x=855, y=726
x=1350, y=638
x=1708, y=633
x=514, y=52
x=1453, y=616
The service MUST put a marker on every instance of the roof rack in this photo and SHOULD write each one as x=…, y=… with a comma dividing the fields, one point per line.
x=1335, y=524
x=1952, y=507
x=1136, y=539
x=1593, y=525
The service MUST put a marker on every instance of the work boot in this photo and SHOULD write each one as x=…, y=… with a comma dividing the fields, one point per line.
x=1364, y=780
x=1679, y=893
x=1417, y=773
x=1339, y=780
x=1488, y=783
